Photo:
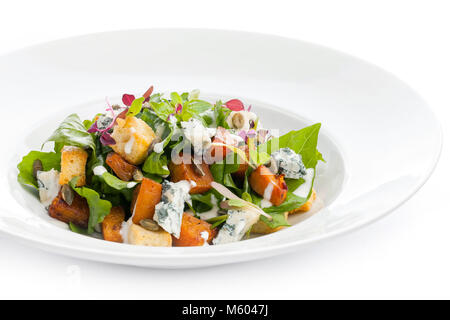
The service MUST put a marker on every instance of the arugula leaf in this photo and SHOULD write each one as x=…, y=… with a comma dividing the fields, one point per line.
x=77, y=229
x=278, y=220
x=50, y=160
x=292, y=202
x=71, y=132
x=156, y=163
x=98, y=208
x=135, y=107
x=204, y=202
x=216, y=221
x=221, y=171
x=115, y=183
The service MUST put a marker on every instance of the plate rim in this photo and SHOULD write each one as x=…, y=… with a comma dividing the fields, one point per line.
x=47, y=245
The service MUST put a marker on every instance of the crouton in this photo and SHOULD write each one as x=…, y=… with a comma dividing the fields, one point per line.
x=133, y=138
x=307, y=205
x=73, y=164
x=143, y=237
x=112, y=224
x=77, y=212
x=262, y=228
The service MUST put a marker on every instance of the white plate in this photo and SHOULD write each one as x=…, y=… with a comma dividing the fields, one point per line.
x=379, y=138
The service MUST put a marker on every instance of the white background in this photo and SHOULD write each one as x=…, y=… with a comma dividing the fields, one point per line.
x=405, y=255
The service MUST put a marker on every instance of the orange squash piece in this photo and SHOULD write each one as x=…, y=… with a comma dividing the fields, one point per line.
x=77, y=212
x=262, y=177
x=112, y=224
x=186, y=171
x=191, y=232
x=145, y=197
x=120, y=166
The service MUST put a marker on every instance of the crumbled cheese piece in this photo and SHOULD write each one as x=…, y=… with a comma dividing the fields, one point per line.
x=169, y=212
x=48, y=183
x=289, y=163
x=197, y=134
x=237, y=224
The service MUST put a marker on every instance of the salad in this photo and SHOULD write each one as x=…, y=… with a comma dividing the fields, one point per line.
x=173, y=170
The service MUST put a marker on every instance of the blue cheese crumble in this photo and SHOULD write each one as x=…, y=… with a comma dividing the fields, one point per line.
x=169, y=212
x=237, y=224
x=198, y=135
x=289, y=163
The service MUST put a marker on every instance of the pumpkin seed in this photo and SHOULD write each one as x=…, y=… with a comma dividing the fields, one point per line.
x=138, y=175
x=273, y=166
x=67, y=194
x=149, y=224
x=37, y=166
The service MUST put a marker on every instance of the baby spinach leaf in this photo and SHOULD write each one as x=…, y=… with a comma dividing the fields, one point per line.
x=98, y=208
x=302, y=141
x=50, y=160
x=71, y=132
x=156, y=163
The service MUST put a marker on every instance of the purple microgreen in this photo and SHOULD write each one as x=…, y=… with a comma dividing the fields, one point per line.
x=127, y=99
x=106, y=139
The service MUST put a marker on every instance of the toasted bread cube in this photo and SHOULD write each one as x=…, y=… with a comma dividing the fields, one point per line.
x=262, y=228
x=307, y=205
x=112, y=224
x=77, y=212
x=143, y=237
x=73, y=164
x=133, y=138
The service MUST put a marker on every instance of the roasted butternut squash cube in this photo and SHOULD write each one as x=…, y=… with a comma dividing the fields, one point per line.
x=112, y=224
x=120, y=166
x=307, y=205
x=145, y=197
x=186, y=171
x=77, y=212
x=194, y=232
x=266, y=184
x=262, y=228
x=133, y=138
x=73, y=164
x=143, y=237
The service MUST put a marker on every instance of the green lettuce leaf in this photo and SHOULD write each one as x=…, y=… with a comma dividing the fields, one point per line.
x=98, y=208
x=72, y=132
x=50, y=160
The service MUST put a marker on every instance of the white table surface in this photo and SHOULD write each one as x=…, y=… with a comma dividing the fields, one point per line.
x=405, y=255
